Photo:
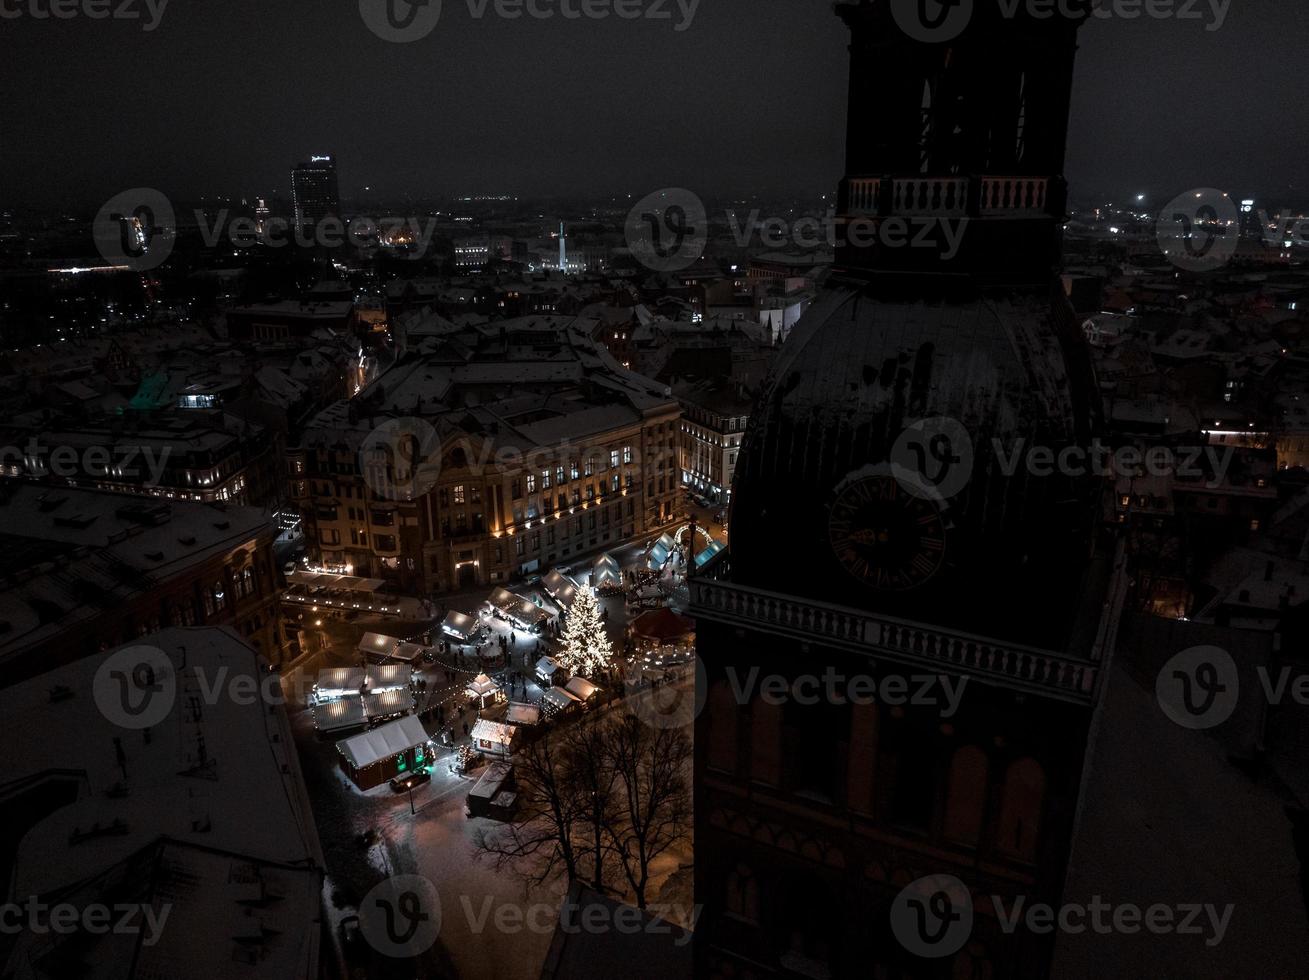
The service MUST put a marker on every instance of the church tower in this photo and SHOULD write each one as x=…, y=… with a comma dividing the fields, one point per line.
x=902, y=643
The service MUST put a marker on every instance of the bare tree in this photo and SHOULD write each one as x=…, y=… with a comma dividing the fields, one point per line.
x=594, y=775
x=653, y=804
x=540, y=843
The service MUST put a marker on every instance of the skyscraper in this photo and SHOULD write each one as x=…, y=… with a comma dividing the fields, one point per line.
x=945, y=607
x=314, y=190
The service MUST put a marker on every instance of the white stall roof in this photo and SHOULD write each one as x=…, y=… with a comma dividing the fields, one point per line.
x=459, y=624
x=558, y=698
x=581, y=688
x=523, y=714
x=378, y=643
x=383, y=742
x=492, y=731
x=337, y=681
x=332, y=716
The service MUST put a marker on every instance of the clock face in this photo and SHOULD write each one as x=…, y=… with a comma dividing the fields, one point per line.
x=888, y=538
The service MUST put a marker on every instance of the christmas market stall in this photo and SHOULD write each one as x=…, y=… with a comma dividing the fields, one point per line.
x=560, y=588
x=660, y=552
x=493, y=795
x=377, y=648
x=557, y=701
x=525, y=717
x=606, y=575
x=494, y=739
x=482, y=689
x=549, y=671
x=371, y=758
x=347, y=698
x=662, y=638
x=461, y=627
x=522, y=613
x=582, y=689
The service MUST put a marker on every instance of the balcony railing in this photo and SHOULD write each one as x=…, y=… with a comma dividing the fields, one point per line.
x=1009, y=665
x=1013, y=194
x=995, y=196
x=929, y=195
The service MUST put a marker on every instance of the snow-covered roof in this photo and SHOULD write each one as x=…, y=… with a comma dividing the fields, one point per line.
x=369, y=748
x=581, y=688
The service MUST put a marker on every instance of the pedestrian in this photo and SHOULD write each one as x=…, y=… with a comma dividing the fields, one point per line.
x=465, y=729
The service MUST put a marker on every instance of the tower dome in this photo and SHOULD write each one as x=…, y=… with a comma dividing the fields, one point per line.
x=889, y=464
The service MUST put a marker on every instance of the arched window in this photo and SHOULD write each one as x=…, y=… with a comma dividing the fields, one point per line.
x=742, y=898
x=1020, y=809
x=965, y=802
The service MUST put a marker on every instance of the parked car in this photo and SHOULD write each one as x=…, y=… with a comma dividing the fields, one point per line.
x=410, y=779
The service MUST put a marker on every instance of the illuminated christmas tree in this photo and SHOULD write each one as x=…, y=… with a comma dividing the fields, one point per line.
x=586, y=647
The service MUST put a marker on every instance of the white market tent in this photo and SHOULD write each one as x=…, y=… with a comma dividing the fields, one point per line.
x=337, y=716
x=407, y=653
x=337, y=682
x=462, y=627
x=482, y=687
x=560, y=587
x=546, y=669
x=606, y=572
x=557, y=699
x=581, y=688
x=522, y=611
x=385, y=704
x=367, y=748
x=378, y=645
x=523, y=714
x=492, y=737
x=660, y=551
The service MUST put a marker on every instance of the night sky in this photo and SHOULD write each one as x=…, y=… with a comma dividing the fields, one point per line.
x=225, y=95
